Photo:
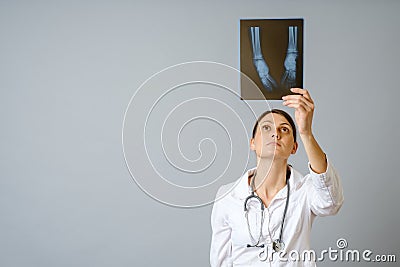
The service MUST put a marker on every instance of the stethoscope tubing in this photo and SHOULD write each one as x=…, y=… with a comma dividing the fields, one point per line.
x=253, y=195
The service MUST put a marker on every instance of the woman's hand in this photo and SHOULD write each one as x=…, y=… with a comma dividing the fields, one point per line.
x=304, y=109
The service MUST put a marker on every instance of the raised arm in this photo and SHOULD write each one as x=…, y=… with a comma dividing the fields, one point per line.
x=326, y=198
x=304, y=111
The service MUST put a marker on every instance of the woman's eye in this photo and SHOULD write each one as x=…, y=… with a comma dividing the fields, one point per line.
x=285, y=130
x=266, y=127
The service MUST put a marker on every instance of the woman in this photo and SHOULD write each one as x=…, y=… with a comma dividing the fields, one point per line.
x=270, y=211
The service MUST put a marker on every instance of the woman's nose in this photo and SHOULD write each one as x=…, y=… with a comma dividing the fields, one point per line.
x=275, y=135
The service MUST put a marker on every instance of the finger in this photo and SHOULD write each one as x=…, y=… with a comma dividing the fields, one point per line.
x=306, y=97
x=303, y=92
x=301, y=100
x=298, y=90
x=298, y=105
x=294, y=98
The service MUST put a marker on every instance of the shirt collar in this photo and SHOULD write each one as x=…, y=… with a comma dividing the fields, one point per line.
x=242, y=190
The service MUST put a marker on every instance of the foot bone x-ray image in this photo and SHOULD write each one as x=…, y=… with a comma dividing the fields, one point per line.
x=259, y=61
x=289, y=76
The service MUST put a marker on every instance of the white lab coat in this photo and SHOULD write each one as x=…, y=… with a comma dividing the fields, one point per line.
x=310, y=196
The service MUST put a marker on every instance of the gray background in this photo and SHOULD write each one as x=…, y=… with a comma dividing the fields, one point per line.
x=68, y=70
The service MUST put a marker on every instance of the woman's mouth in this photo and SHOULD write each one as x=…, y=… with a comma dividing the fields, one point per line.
x=273, y=143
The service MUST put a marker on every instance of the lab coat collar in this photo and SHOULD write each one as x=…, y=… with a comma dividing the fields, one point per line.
x=243, y=190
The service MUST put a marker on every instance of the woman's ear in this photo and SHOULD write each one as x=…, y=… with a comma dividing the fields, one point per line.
x=252, y=145
x=295, y=146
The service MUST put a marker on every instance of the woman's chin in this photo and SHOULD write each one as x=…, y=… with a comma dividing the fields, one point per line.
x=274, y=156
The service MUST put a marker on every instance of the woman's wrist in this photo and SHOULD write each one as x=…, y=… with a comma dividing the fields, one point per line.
x=315, y=154
x=305, y=136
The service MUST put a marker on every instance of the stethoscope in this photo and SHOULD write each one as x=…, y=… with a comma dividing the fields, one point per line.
x=278, y=244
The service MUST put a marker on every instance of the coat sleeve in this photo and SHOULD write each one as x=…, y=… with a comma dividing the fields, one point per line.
x=221, y=245
x=327, y=192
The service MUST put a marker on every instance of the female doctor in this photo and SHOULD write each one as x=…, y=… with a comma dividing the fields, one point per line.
x=270, y=211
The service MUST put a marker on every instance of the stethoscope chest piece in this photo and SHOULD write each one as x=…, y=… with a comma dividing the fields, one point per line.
x=278, y=245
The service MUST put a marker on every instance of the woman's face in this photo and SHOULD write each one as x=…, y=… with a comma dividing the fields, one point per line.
x=274, y=138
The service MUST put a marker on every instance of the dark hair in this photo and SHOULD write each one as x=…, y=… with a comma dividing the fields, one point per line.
x=280, y=112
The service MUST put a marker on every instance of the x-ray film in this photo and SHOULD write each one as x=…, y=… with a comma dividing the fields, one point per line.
x=271, y=54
